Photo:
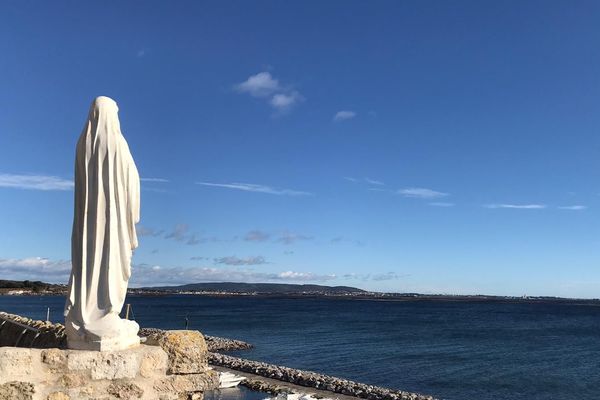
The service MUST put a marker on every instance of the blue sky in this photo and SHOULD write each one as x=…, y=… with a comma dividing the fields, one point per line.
x=432, y=146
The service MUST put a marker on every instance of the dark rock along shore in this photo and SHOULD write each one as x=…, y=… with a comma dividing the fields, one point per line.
x=52, y=335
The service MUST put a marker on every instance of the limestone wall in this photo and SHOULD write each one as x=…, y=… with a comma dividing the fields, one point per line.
x=137, y=373
x=35, y=364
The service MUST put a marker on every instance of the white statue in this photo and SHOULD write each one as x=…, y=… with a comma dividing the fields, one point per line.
x=107, y=207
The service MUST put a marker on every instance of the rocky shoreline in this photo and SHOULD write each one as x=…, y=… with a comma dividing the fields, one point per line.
x=309, y=379
x=47, y=334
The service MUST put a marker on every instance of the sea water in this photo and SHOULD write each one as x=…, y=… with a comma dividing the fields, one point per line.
x=451, y=350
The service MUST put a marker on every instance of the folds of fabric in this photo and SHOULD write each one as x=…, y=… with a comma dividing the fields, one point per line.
x=107, y=207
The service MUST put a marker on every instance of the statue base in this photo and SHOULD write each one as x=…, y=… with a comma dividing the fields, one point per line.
x=110, y=344
x=110, y=333
x=143, y=372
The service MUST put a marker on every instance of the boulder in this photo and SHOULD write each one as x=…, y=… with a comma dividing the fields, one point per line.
x=186, y=350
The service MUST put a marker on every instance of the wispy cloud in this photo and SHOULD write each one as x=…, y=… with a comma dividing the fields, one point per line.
x=291, y=237
x=374, y=182
x=342, y=239
x=385, y=276
x=155, y=180
x=140, y=53
x=179, y=233
x=517, y=206
x=421, y=193
x=257, y=236
x=441, y=204
x=573, y=208
x=365, y=180
x=233, y=260
x=343, y=115
x=146, y=231
x=35, y=182
x=264, y=85
x=252, y=187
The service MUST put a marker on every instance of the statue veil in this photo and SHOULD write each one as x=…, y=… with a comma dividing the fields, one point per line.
x=107, y=207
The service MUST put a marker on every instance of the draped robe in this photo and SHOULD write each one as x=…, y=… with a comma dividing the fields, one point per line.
x=107, y=207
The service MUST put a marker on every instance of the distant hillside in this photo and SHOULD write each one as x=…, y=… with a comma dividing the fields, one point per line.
x=33, y=286
x=265, y=288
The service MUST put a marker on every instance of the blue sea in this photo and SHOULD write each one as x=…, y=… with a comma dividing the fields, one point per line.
x=451, y=350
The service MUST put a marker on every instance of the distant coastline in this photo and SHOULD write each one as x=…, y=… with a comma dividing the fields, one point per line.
x=275, y=290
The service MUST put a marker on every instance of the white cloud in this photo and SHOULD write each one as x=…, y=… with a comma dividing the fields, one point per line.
x=303, y=276
x=259, y=85
x=284, y=101
x=421, y=193
x=145, y=275
x=35, y=182
x=517, y=206
x=35, y=268
x=43, y=269
x=252, y=187
x=264, y=85
x=573, y=208
x=343, y=115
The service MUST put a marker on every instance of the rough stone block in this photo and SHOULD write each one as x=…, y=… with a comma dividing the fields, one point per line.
x=125, y=390
x=188, y=383
x=17, y=391
x=71, y=380
x=187, y=350
x=105, y=365
x=153, y=361
x=58, y=396
x=54, y=358
x=16, y=364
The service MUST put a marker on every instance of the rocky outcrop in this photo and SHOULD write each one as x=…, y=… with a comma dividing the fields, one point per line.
x=186, y=350
x=213, y=343
x=311, y=379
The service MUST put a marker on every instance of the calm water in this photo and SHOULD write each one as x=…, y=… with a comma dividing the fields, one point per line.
x=454, y=351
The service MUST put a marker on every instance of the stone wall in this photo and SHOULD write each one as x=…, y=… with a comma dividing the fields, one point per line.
x=137, y=373
x=172, y=366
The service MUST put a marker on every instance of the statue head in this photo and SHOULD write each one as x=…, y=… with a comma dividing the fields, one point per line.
x=103, y=106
